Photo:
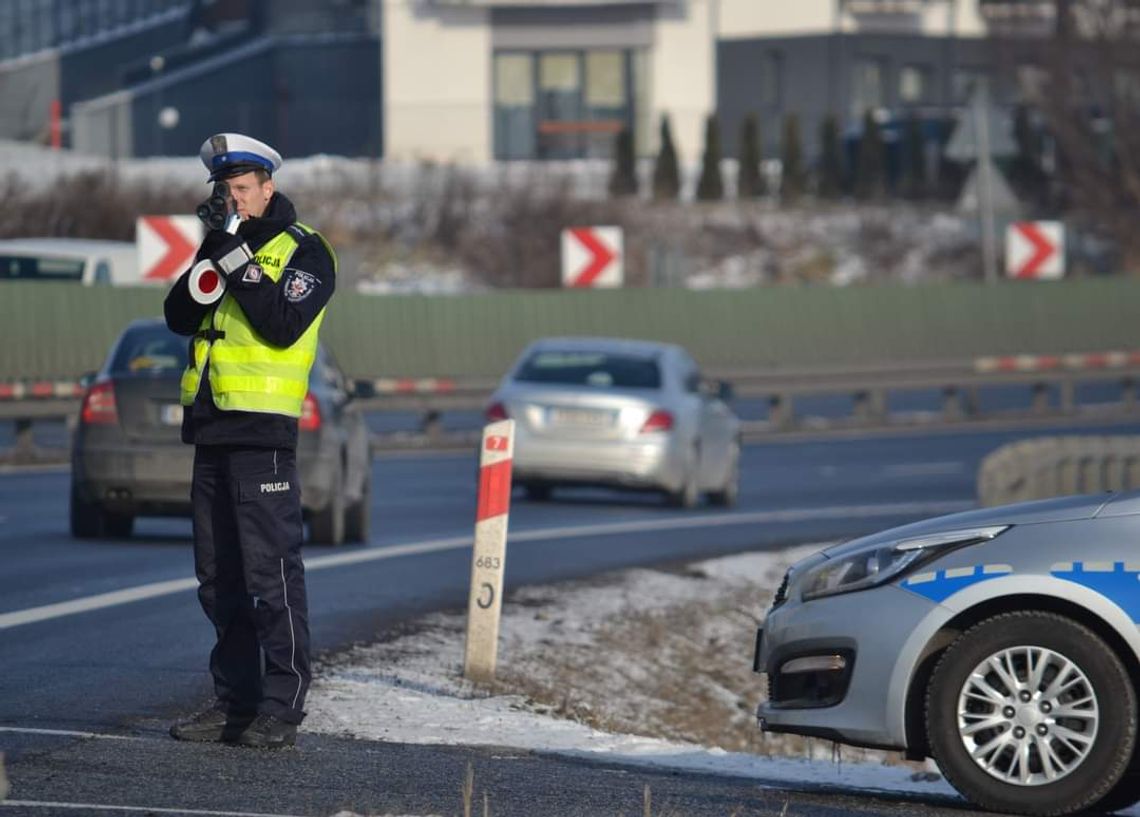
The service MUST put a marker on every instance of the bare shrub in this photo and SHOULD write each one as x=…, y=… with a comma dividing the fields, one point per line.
x=87, y=205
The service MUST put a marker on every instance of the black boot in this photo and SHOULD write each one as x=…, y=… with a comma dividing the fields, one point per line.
x=268, y=732
x=211, y=726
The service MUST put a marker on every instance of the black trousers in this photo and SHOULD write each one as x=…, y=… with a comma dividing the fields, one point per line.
x=251, y=582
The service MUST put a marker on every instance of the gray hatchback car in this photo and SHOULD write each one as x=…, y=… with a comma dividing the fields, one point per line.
x=128, y=459
x=1004, y=643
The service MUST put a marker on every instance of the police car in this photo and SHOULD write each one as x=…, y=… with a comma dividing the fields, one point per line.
x=1004, y=643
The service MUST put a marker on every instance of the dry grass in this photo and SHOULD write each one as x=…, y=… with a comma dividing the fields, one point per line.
x=685, y=673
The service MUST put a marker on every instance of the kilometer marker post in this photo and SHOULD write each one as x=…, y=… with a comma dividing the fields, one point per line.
x=489, y=556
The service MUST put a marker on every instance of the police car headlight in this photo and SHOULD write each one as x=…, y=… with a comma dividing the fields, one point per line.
x=880, y=563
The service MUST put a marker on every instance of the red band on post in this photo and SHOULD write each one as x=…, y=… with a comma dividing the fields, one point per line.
x=494, y=490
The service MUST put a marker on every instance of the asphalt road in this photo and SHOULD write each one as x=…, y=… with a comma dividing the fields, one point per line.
x=126, y=669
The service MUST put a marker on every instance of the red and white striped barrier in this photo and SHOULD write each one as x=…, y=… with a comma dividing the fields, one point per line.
x=413, y=385
x=1046, y=363
x=489, y=556
x=40, y=390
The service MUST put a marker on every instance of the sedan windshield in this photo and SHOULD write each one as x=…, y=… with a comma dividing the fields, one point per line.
x=150, y=349
x=599, y=369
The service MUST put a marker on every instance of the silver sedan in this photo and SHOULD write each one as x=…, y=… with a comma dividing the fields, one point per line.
x=1004, y=643
x=619, y=413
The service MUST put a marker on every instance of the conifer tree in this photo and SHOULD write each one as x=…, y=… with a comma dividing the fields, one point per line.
x=749, y=180
x=666, y=174
x=869, y=170
x=710, y=186
x=792, y=176
x=623, y=179
x=831, y=159
x=914, y=160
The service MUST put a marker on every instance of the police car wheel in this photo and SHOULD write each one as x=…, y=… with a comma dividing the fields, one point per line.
x=1124, y=794
x=1031, y=713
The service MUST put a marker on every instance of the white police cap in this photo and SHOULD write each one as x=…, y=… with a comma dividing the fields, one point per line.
x=229, y=154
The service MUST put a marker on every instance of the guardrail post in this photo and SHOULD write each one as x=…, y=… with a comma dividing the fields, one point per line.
x=971, y=402
x=870, y=405
x=431, y=425
x=1068, y=396
x=1040, y=398
x=24, y=447
x=951, y=403
x=780, y=411
x=1128, y=392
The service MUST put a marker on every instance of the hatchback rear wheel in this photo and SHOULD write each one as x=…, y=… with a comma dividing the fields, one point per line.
x=327, y=525
x=88, y=520
x=1031, y=713
x=358, y=517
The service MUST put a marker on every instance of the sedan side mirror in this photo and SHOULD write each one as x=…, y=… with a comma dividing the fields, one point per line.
x=363, y=389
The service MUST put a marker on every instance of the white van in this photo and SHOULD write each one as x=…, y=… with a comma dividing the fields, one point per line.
x=82, y=260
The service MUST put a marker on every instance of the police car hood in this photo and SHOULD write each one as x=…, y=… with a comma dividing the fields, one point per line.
x=1060, y=509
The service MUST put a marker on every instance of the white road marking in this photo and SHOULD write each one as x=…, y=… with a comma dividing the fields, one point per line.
x=142, y=809
x=148, y=591
x=67, y=733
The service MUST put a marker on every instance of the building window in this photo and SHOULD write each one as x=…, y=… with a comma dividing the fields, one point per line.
x=514, y=106
x=914, y=84
x=607, y=101
x=565, y=104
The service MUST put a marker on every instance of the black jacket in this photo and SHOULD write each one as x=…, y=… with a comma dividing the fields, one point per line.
x=278, y=313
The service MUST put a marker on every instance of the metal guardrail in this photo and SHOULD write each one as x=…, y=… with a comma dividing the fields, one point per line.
x=868, y=388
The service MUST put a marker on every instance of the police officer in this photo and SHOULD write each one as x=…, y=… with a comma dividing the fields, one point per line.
x=242, y=392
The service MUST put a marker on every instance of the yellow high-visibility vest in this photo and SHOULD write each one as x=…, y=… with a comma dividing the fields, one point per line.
x=246, y=372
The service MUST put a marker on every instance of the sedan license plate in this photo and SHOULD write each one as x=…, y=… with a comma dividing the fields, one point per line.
x=582, y=418
x=171, y=415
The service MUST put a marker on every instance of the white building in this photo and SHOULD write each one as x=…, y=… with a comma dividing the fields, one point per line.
x=476, y=80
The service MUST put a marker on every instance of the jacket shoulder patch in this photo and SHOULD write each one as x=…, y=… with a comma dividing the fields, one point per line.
x=299, y=284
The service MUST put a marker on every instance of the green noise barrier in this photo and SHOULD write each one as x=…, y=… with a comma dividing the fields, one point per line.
x=61, y=330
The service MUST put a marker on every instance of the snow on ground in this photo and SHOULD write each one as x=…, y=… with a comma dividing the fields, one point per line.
x=409, y=689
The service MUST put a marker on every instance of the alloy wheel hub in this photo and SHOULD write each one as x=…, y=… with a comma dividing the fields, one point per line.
x=1028, y=715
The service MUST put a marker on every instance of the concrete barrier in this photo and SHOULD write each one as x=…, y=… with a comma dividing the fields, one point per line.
x=1044, y=467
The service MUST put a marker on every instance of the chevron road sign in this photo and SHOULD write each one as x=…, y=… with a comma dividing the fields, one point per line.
x=166, y=246
x=1035, y=250
x=592, y=257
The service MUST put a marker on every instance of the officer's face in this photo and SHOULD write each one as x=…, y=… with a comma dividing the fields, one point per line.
x=251, y=195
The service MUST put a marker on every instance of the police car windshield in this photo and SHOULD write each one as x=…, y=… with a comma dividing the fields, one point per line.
x=149, y=350
x=597, y=369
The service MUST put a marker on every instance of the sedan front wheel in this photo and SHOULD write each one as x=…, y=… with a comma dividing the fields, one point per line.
x=1031, y=713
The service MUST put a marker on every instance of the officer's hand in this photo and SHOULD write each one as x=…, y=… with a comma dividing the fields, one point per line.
x=229, y=253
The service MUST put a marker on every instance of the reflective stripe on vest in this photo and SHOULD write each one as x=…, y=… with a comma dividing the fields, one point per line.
x=246, y=372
